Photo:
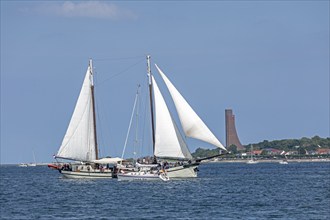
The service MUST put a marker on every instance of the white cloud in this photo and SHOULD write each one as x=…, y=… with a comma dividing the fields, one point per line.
x=89, y=9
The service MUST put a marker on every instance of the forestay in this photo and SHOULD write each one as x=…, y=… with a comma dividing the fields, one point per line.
x=192, y=124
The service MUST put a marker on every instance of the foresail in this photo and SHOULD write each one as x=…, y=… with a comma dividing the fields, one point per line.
x=168, y=140
x=79, y=140
x=192, y=124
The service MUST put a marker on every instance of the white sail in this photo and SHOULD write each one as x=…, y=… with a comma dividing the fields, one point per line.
x=192, y=124
x=79, y=140
x=168, y=140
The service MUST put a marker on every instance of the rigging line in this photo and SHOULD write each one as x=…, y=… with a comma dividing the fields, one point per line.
x=114, y=59
x=121, y=72
x=101, y=116
x=136, y=142
x=98, y=118
x=130, y=123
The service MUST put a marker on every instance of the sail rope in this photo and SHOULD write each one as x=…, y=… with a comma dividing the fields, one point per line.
x=120, y=72
x=145, y=116
x=104, y=145
x=136, y=141
x=130, y=122
x=115, y=59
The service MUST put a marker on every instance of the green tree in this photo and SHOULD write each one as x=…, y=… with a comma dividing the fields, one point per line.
x=233, y=149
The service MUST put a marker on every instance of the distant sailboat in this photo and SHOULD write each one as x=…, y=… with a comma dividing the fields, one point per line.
x=252, y=160
x=285, y=160
x=29, y=164
x=34, y=161
x=23, y=165
x=168, y=143
x=80, y=141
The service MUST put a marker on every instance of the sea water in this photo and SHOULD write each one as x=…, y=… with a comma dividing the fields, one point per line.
x=221, y=191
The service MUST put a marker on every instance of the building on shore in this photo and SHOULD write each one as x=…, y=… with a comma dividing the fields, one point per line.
x=323, y=151
x=231, y=133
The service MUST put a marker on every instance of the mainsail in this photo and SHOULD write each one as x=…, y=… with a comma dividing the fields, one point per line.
x=79, y=142
x=168, y=140
x=192, y=124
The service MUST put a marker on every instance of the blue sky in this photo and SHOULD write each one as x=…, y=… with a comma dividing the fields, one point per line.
x=267, y=60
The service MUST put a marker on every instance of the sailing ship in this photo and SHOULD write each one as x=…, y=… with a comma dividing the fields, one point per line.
x=80, y=141
x=168, y=143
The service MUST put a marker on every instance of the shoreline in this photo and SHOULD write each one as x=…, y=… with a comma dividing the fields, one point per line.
x=269, y=160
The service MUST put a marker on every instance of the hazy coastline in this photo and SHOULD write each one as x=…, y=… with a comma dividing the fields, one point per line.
x=269, y=160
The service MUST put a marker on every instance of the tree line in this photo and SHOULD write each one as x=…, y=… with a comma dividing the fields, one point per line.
x=301, y=145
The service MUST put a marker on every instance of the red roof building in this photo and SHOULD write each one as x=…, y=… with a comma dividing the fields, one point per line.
x=323, y=151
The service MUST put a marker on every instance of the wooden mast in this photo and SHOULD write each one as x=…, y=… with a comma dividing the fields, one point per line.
x=151, y=107
x=93, y=106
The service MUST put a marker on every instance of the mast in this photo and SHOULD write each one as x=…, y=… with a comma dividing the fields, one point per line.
x=93, y=106
x=251, y=152
x=151, y=106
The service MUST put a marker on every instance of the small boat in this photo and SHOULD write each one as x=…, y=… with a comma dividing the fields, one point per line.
x=80, y=141
x=54, y=166
x=29, y=164
x=284, y=161
x=252, y=160
x=23, y=165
